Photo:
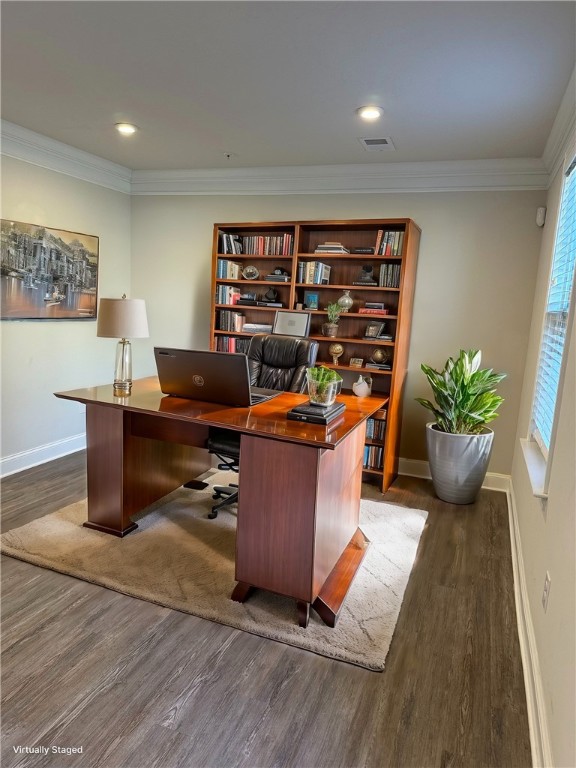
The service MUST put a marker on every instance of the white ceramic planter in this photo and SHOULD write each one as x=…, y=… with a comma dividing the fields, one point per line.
x=458, y=463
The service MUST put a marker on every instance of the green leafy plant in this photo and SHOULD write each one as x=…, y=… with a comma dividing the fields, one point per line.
x=334, y=311
x=465, y=395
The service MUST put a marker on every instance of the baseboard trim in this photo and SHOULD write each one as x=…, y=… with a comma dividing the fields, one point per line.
x=18, y=462
x=537, y=718
x=414, y=468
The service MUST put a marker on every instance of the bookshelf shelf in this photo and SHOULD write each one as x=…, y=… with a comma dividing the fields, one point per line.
x=308, y=250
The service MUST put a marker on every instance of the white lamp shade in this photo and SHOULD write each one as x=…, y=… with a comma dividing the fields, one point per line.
x=122, y=319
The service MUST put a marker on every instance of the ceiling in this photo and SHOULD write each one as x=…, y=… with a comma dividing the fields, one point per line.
x=277, y=83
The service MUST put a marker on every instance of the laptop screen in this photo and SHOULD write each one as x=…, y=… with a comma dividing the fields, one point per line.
x=214, y=377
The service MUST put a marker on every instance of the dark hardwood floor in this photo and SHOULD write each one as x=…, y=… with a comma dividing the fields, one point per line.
x=136, y=685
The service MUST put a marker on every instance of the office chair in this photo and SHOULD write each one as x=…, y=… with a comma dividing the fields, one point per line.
x=275, y=362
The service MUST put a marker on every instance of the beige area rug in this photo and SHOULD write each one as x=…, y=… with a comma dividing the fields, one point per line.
x=179, y=559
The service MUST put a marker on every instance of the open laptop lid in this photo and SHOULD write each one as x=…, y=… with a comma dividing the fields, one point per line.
x=214, y=377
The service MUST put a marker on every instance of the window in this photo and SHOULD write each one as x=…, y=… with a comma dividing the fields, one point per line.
x=557, y=320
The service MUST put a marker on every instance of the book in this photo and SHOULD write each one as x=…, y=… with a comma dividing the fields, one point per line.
x=370, y=311
x=316, y=414
x=312, y=409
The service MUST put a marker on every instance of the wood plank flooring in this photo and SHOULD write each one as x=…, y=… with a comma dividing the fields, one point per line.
x=139, y=686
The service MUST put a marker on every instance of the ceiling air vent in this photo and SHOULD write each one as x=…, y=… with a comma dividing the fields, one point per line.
x=376, y=145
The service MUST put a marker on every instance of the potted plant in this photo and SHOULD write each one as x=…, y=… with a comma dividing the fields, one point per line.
x=459, y=443
x=323, y=385
x=333, y=311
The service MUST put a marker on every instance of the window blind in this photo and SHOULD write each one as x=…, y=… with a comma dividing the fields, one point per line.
x=556, y=317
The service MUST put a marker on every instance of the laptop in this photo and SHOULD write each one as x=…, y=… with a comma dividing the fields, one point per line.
x=213, y=377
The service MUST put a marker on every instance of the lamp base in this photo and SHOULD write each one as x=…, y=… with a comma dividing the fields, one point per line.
x=122, y=388
x=123, y=369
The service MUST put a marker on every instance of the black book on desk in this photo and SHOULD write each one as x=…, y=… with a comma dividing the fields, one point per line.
x=316, y=414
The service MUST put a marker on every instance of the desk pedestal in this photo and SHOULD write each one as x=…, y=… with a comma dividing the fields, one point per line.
x=298, y=513
x=133, y=460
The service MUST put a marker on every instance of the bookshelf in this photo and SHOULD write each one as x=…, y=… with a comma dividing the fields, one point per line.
x=256, y=269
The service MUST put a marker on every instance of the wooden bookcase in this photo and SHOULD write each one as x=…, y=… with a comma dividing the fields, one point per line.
x=270, y=246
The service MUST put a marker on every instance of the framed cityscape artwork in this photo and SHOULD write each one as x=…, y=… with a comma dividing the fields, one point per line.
x=47, y=274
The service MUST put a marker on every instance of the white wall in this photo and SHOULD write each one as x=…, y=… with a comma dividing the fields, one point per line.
x=475, y=281
x=548, y=531
x=475, y=286
x=42, y=357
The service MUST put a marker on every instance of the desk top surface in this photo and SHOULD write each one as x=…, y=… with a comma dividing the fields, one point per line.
x=267, y=419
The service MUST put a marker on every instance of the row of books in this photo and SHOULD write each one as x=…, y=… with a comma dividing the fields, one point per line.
x=256, y=245
x=232, y=344
x=230, y=269
x=331, y=247
x=227, y=294
x=389, y=276
x=230, y=321
x=313, y=273
x=389, y=243
x=375, y=429
x=373, y=457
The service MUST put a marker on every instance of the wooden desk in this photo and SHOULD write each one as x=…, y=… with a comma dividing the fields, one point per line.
x=299, y=500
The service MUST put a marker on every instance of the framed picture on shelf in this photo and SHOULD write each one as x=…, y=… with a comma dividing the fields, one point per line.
x=356, y=362
x=310, y=299
x=373, y=330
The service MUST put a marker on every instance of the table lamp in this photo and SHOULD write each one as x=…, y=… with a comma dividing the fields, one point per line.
x=122, y=319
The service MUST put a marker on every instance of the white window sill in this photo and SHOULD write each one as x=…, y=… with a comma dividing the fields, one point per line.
x=536, y=466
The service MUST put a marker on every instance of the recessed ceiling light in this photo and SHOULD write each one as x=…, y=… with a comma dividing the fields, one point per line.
x=370, y=112
x=126, y=129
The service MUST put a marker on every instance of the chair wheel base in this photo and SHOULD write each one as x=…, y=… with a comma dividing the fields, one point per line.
x=213, y=514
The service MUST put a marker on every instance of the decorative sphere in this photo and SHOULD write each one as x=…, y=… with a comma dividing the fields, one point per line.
x=380, y=355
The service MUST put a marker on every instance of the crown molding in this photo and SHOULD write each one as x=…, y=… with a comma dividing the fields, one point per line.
x=31, y=147
x=445, y=176
x=563, y=130
x=448, y=176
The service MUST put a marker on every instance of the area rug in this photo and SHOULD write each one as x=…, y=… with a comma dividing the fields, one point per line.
x=179, y=559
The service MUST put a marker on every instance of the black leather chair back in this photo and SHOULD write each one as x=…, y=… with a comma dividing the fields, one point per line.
x=280, y=362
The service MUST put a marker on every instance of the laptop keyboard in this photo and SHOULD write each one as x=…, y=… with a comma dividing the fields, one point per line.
x=256, y=398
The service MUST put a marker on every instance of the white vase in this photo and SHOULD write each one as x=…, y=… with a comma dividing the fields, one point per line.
x=345, y=301
x=362, y=387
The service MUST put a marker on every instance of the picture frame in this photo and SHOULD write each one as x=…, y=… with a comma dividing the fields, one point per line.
x=311, y=300
x=374, y=330
x=288, y=323
x=356, y=362
x=47, y=273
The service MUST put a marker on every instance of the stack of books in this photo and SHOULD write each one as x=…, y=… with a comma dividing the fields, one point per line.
x=369, y=310
x=316, y=414
x=378, y=366
x=329, y=247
